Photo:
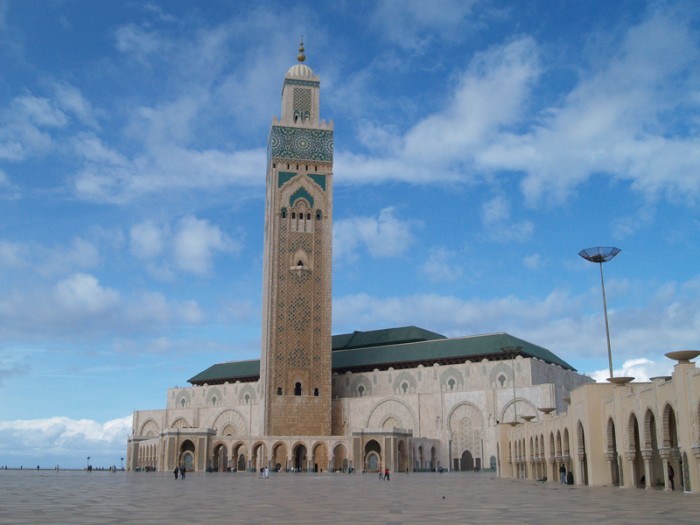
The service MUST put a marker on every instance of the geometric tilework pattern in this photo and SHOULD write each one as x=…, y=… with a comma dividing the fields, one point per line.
x=302, y=100
x=305, y=83
x=302, y=144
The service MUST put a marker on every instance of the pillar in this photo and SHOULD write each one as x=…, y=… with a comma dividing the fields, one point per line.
x=647, y=456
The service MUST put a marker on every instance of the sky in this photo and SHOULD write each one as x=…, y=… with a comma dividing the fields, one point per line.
x=479, y=146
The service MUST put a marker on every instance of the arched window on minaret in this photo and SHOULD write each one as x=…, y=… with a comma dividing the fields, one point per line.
x=279, y=390
x=297, y=389
x=316, y=392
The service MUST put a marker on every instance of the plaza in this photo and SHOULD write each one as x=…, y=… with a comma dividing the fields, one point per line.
x=78, y=497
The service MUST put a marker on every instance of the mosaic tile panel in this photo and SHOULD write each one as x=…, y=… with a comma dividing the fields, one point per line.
x=301, y=143
x=305, y=83
x=285, y=176
x=301, y=193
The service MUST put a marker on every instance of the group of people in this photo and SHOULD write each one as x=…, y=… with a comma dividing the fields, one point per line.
x=384, y=475
x=181, y=471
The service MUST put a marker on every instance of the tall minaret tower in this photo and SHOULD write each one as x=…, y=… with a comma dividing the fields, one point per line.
x=295, y=366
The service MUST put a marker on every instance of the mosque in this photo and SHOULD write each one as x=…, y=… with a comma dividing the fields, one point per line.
x=403, y=398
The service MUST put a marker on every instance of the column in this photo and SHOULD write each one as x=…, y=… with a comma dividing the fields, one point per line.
x=629, y=456
x=665, y=454
x=646, y=456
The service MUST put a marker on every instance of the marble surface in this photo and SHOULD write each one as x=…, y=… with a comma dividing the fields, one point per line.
x=76, y=497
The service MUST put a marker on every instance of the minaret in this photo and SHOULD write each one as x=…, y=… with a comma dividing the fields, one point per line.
x=295, y=365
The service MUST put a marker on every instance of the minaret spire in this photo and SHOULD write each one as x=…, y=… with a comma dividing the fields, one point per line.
x=301, y=56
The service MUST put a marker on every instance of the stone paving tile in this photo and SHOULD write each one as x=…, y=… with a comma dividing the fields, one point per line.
x=73, y=497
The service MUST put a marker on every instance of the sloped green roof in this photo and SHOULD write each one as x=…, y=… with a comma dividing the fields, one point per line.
x=387, y=336
x=444, y=350
x=397, y=347
x=231, y=371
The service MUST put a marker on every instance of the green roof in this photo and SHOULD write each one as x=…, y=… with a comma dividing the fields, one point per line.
x=403, y=347
x=231, y=371
x=387, y=336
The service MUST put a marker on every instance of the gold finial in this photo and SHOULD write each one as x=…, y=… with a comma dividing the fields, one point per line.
x=301, y=56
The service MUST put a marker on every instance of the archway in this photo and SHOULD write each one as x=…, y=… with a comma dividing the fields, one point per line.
x=279, y=457
x=373, y=456
x=340, y=458
x=583, y=460
x=187, y=454
x=258, y=458
x=466, y=461
x=299, y=458
x=651, y=443
x=238, y=457
x=612, y=454
x=670, y=441
x=402, y=456
x=635, y=447
x=319, y=458
x=220, y=459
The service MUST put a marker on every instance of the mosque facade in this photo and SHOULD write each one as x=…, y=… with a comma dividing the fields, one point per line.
x=403, y=398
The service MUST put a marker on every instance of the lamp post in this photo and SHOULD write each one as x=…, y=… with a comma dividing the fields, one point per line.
x=601, y=254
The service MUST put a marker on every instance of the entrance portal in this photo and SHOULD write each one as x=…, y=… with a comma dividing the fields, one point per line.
x=467, y=462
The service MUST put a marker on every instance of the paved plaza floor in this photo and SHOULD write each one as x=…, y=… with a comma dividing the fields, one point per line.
x=75, y=497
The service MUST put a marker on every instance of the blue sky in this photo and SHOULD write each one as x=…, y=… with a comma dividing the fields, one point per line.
x=478, y=147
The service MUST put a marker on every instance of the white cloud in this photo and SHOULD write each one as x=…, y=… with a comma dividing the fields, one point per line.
x=640, y=369
x=64, y=441
x=618, y=120
x=560, y=321
x=190, y=312
x=82, y=294
x=13, y=255
x=490, y=95
x=383, y=236
x=79, y=254
x=440, y=268
x=71, y=100
x=146, y=240
x=195, y=243
x=80, y=308
x=168, y=168
x=40, y=111
x=413, y=24
x=533, y=261
x=138, y=42
x=495, y=215
x=27, y=125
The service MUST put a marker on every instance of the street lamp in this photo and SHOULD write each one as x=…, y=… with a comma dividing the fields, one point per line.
x=122, y=463
x=601, y=254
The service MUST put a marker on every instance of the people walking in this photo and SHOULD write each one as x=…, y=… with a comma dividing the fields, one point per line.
x=562, y=474
x=176, y=472
x=670, y=476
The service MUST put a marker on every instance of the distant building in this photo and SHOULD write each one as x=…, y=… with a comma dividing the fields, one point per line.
x=403, y=398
